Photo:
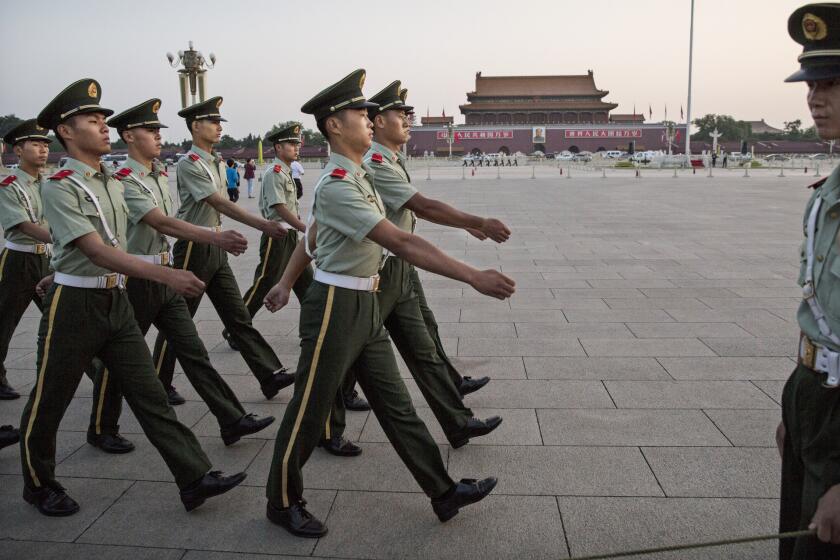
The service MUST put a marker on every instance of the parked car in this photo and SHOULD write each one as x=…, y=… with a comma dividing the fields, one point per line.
x=820, y=156
x=582, y=157
x=613, y=154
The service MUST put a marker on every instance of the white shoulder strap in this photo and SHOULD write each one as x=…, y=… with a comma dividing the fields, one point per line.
x=205, y=166
x=111, y=237
x=30, y=210
x=140, y=183
x=809, y=293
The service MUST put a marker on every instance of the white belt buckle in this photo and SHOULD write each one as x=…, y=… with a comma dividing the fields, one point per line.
x=113, y=280
x=164, y=259
x=40, y=248
x=375, y=283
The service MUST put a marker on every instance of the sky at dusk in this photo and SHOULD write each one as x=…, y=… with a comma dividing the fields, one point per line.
x=273, y=56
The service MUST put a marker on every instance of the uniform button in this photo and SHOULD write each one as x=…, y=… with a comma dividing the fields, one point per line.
x=820, y=258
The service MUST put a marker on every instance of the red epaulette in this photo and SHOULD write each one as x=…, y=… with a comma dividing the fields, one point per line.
x=164, y=173
x=338, y=173
x=194, y=157
x=8, y=181
x=61, y=174
x=818, y=184
x=122, y=173
x=376, y=157
x=277, y=168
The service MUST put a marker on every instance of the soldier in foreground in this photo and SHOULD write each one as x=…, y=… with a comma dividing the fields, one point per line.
x=340, y=323
x=809, y=435
x=87, y=313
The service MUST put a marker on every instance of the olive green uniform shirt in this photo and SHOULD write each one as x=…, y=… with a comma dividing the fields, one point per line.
x=15, y=209
x=72, y=214
x=826, y=262
x=194, y=185
x=144, y=190
x=393, y=184
x=278, y=188
x=346, y=209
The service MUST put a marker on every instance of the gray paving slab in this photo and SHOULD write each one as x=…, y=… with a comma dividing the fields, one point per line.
x=67, y=443
x=644, y=347
x=539, y=367
x=725, y=368
x=624, y=427
x=716, y=472
x=503, y=527
x=592, y=330
x=602, y=525
x=510, y=393
x=688, y=394
x=493, y=367
x=233, y=522
x=544, y=346
x=772, y=388
x=687, y=330
x=39, y=550
x=747, y=428
x=575, y=471
x=619, y=316
x=206, y=555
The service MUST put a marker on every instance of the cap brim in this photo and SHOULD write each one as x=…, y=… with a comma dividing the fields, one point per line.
x=815, y=72
x=102, y=110
x=407, y=108
x=361, y=105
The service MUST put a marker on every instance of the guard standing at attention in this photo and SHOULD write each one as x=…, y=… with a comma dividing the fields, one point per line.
x=809, y=435
x=87, y=313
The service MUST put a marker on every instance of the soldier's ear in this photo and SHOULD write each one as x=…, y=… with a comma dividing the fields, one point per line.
x=333, y=125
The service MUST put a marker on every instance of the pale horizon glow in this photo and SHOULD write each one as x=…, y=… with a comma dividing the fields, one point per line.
x=273, y=56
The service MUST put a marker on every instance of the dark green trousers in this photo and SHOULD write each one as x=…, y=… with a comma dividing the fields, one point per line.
x=19, y=274
x=340, y=327
x=77, y=325
x=274, y=258
x=403, y=317
x=810, y=460
x=157, y=304
x=210, y=265
x=432, y=326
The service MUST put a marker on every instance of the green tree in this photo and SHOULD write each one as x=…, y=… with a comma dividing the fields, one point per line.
x=7, y=122
x=729, y=128
x=793, y=128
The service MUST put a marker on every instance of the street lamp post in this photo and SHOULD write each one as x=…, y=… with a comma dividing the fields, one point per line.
x=688, y=104
x=194, y=73
x=450, y=137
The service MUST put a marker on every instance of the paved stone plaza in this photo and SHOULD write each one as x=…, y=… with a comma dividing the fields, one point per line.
x=638, y=368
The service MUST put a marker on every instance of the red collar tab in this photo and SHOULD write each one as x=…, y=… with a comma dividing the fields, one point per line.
x=194, y=157
x=818, y=184
x=277, y=168
x=122, y=173
x=376, y=157
x=338, y=173
x=8, y=181
x=61, y=174
x=164, y=173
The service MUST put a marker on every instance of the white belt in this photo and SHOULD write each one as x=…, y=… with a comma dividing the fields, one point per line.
x=160, y=258
x=821, y=360
x=350, y=282
x=38, y=248
x=108, y=281
x=211, y=228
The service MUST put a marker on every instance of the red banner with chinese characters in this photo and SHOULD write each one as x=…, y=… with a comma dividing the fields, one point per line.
x=476, y=134
x=605, y=133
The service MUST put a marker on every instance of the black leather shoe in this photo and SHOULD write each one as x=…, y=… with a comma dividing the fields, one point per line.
x=209, y=485
x=51, y=502
x=7, y=393
x=111, y=443
x=337, y=445
x=476, y=428
x=296, y=520
x=470, y=385
x=229, y=340
x=174, y=397
x=280, y=379
x=8, y=436
x=248, y=424
x=466, y=492
x=355, y=402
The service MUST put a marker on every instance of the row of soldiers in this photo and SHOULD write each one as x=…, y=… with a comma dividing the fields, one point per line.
x=90, y=247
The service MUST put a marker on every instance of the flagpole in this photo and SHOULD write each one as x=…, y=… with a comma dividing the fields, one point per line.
x=688, y=104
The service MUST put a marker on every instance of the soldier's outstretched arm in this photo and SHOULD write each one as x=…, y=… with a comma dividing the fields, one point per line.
x=234, y=212
x=182, y=281
x=230, y=241
x=423, y=254
x=35, y=231
x=441, y=213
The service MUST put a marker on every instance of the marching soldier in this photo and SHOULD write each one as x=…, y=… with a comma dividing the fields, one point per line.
x=809, y=434
x=147, y=196
x=201, y=188
x=87, y=314
x=25, y=259
x=278, y=202
x=340, y=323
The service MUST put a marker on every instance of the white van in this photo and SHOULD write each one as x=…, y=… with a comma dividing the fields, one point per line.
x=613, y=154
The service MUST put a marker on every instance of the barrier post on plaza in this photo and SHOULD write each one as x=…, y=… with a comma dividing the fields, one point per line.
x=498, y=173
x=569, y=172
x=533, y=172
x=428, y=172
x=463, y=173
x=782, y=172
x=603, y=173
x=747, y=170
x=817, y=170
x=675, y=173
